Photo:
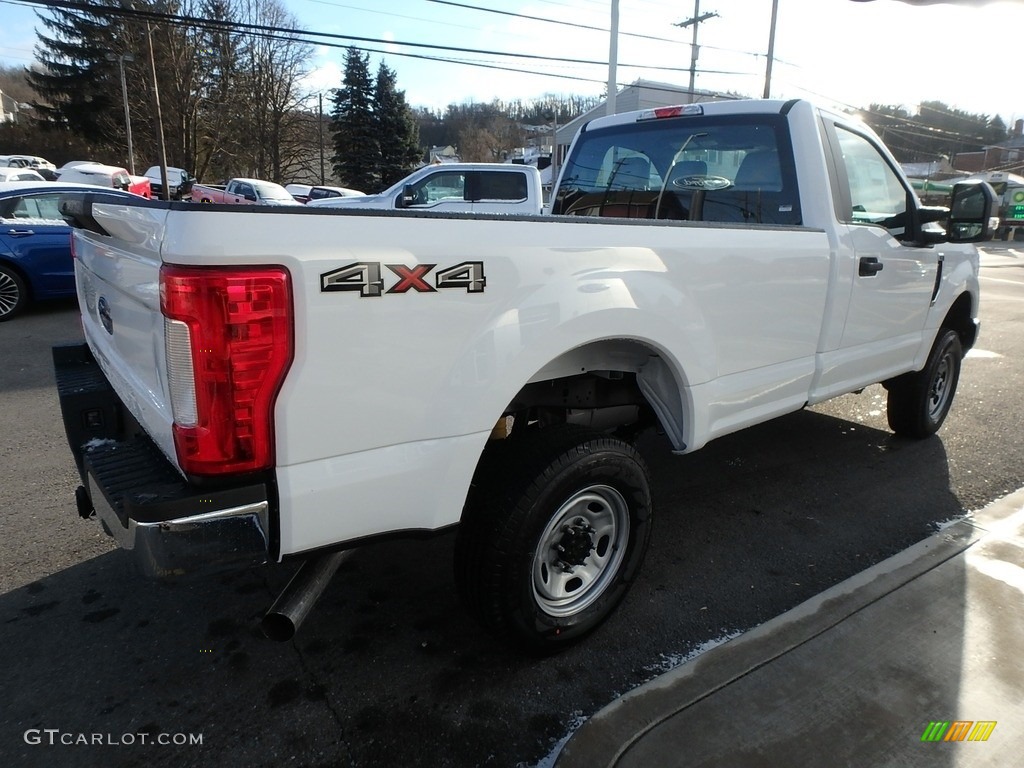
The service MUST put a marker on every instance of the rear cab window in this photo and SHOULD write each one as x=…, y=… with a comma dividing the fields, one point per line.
x=506, y=186
x=319, y=193
x=727, y=168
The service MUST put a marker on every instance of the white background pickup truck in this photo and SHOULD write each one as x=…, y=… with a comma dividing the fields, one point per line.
x=290, y=382
x=456, y=187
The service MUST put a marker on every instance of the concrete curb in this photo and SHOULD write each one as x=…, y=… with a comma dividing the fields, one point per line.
x=607, y=735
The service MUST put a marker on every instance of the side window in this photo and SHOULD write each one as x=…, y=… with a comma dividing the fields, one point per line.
x=498, y=185
x=876, y=194
x=445, y=185
x=43, y=208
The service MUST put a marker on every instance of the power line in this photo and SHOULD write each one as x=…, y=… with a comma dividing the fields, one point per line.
x=604, y=30
x=181, y=19
x=552, y=21
x=288, y=34
x=395, y=15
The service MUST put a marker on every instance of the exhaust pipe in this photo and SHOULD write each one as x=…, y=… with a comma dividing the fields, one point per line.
x=297, y=599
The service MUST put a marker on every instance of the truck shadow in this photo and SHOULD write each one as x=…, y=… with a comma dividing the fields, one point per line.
x=388, y=670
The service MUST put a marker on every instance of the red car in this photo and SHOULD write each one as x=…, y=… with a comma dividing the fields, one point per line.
x=106, y=176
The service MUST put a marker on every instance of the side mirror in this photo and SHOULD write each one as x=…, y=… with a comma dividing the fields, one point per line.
x=407, y=198
x=973, y=213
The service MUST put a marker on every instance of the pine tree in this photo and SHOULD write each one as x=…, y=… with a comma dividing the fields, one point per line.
x=356, y=147
x=397, y=132
x=79, y=87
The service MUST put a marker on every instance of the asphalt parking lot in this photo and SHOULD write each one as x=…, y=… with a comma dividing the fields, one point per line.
x=389, y=670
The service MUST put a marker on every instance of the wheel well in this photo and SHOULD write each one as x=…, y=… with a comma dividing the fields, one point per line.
x=596, y=386
x=960, y=319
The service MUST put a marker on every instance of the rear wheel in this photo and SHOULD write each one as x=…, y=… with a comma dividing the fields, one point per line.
x=919, y=402
x=554, y=532
x=13, y=293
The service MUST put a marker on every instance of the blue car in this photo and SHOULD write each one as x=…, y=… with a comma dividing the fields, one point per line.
x=35, y=244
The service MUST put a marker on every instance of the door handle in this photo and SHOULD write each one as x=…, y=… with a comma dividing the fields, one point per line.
x=870, y=266
x=20, y=232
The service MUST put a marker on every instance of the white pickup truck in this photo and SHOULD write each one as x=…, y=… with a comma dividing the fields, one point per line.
x=284, y=384
x=456, y=187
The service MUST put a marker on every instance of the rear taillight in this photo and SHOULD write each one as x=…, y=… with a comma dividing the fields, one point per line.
x=229, y=343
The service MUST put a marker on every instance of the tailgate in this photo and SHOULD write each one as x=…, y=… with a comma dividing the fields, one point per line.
x=118, y=282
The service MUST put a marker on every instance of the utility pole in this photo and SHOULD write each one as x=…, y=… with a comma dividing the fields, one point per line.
x=121, y=59
x=694, y=48
x=157, y=8
x=771, y=50
x=320, y=134
x=165, y=191
x=613, y=57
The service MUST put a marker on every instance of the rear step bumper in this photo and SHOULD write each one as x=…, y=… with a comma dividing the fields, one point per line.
x=170, y=526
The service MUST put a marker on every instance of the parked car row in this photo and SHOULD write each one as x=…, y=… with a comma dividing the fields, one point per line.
x=150, y=184
x=33, y=168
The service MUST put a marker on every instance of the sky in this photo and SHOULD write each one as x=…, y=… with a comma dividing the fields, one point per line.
x=839, y=53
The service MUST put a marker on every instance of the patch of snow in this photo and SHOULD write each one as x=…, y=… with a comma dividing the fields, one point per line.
x=548, y=761
x=670, y=661
x=666, y=663
x=98, y=442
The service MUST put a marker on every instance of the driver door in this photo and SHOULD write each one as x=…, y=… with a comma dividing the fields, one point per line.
x=893, y=277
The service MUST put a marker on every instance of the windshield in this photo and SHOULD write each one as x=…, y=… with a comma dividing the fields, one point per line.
x=269, y=191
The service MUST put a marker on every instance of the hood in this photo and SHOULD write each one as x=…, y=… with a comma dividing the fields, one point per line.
x=375, y=201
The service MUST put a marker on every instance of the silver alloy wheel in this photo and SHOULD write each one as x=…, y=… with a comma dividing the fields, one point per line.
x=10, y=293
x=580, y=551
x=939, y=392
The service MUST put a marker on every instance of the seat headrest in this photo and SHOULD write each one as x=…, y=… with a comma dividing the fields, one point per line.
x=632, y=173
x=760, y=170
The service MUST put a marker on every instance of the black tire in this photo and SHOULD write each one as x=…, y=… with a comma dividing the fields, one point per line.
x=919, y=402
x=565, y=487
x=13, y=293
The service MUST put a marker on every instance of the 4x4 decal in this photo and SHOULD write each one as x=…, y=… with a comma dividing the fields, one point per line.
x=366, y=278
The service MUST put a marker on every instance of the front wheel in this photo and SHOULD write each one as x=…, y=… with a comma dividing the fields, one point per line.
x=554, y=532
x=919, y=402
